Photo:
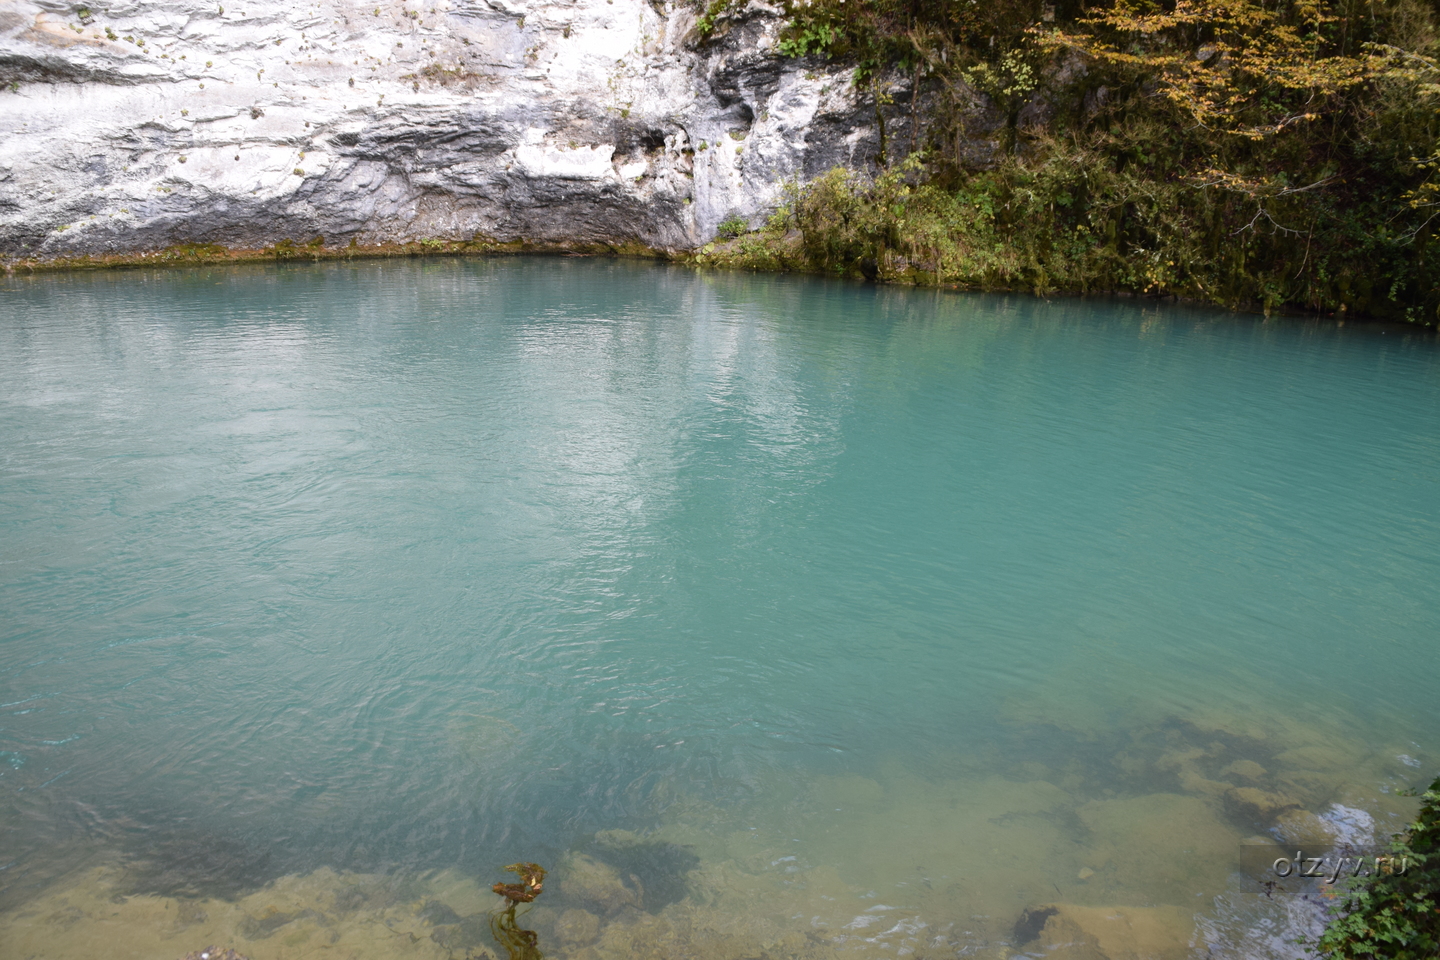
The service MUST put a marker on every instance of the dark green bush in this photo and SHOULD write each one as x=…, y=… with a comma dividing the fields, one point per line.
x=1395, y=916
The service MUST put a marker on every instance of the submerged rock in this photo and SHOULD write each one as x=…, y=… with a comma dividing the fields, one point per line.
x=1341, y=826
x=1245, y=770
x=1070, y=932
x=214, y=953
x=577, y=928
x=1193, y=782
x=657, y=870
x=258, y=928
x=1305, y=828
x=1257, y=805
x=468, y=934
x=1165, y=847
x=438, y=913
x=461, y=893
x=588, y=881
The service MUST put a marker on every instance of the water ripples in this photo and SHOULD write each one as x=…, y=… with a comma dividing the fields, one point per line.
x=387, y=564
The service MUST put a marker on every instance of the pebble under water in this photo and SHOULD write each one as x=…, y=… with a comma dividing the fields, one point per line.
x=774, y=617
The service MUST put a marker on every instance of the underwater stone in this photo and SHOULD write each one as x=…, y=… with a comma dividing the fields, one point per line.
x=577, y=928
x=436, y=913
x=189, y=912
x=258, y=928
x=1073, y=932
x=1168, y=845
x=588, y=880
x=1257, y=804
x=1191, y=781
x=461, y=893
x=1062, y=939
x=654, y=870
x=468, y=934
x=1031, y=922
x=213, y=953
x=1245, y=770
x=1304, y=827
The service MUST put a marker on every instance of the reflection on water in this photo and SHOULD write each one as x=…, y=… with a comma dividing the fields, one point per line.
x=777, y=618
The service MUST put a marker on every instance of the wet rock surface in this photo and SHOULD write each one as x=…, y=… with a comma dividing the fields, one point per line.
x=594, y=122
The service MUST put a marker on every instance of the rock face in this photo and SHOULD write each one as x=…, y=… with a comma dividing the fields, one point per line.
x=137, y=124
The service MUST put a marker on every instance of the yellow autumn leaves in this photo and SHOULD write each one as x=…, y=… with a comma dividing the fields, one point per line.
x=1230, y=65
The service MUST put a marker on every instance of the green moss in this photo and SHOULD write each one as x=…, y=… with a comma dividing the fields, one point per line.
x=315, y=249
x=190, y=253
x=705, y=25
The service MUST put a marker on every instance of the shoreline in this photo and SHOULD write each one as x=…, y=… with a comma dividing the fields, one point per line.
x=284, y=251
x=700, y=258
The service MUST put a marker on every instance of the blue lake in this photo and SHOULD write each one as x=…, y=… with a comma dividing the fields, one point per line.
x=772, y=615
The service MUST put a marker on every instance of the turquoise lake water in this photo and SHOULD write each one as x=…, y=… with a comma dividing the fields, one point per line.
x=770, y=614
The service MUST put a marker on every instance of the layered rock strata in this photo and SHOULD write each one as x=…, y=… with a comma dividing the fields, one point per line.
x=129, y=125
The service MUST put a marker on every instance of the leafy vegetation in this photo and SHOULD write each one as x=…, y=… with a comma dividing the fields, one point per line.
x=731, y=227
x=1279, y=153
x=1395, y=916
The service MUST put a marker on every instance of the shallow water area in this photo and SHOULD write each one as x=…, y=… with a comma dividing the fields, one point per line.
x=775, y=617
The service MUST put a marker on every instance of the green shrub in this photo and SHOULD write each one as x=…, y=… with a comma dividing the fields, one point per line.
x=1395, y=916
x=732, y=227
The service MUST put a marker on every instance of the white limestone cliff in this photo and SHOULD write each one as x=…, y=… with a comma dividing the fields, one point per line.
x=136, y=124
